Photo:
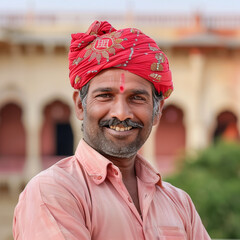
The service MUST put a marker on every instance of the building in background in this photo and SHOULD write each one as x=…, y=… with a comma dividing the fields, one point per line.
x=37, y=121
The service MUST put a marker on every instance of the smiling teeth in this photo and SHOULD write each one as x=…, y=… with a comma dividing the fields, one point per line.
x=120, y=129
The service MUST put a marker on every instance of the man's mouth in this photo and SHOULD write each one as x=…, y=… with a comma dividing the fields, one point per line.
x=120, y=129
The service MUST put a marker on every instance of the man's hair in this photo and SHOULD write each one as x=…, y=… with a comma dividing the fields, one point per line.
x=157, y=97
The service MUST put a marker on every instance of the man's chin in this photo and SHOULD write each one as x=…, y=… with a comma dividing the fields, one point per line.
x=119, y=154
x=120, y=150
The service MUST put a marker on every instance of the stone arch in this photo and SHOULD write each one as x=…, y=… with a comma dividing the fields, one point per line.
x=170, y=138
x=12, y=94
x=12, y=138
x=56, y=133
x=226, y=127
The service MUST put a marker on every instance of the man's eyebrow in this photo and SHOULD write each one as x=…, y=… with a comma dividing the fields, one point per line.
x=105, y=89
x=141, y=91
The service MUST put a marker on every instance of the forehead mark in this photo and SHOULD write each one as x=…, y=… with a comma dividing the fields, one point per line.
x=122, y=83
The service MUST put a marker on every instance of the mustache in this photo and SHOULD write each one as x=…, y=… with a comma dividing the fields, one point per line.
x=114, y=122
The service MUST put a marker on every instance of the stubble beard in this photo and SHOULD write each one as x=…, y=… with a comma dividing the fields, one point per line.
x=106, y=147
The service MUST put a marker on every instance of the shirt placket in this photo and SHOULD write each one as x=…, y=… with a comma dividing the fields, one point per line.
x=118, y=184
x=146, y=193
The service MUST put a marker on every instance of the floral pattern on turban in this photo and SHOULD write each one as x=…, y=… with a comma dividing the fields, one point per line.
x=103, y=47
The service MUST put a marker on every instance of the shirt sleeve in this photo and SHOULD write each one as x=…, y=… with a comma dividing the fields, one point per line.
x=49, y=211
x=195, y=228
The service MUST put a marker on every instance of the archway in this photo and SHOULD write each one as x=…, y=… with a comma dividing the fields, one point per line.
x=12, y=139
x=170, y=139
x=56, y=136
x=226, y=128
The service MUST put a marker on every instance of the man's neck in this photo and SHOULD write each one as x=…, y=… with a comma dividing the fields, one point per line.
x=125, y=165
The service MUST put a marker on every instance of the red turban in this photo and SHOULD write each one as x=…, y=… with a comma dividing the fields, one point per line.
x=103, y=47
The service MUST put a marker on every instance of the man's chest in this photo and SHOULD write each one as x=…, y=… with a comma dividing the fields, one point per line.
x=115, y=216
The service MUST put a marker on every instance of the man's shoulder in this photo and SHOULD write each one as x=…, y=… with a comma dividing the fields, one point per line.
x=63, y=176
x=57, y=171
x=176, y=194
x=169, y=187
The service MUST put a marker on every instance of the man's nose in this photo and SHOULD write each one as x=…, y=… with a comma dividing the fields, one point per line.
x=121, y=110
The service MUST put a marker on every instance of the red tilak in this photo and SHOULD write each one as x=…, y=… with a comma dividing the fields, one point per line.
x=122, y=82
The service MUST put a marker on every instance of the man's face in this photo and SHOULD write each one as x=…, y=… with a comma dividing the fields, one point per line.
x=117, y=123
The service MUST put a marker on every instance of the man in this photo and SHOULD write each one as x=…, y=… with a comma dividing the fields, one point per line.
x=107, y=191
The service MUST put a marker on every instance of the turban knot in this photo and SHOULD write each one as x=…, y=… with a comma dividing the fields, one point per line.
x=103, y=47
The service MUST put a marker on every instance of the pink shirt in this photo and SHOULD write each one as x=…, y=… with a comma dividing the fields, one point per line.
x=83, y=197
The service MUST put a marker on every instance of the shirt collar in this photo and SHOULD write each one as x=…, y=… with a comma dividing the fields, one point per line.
x=92, y=161
x=96, y=165
x=146, y=173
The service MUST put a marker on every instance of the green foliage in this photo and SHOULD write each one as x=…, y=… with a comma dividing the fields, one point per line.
x=211, y=178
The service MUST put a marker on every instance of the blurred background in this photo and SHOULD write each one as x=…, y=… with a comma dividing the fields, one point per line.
x=195, y=146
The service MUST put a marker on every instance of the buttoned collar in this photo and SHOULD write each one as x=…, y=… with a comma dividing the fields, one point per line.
x=98, y=167
x=146, y=173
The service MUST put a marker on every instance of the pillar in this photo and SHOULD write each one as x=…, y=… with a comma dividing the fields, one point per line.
x=149, y=152
x=76, y=128
x=196, y=132
x=32, y=121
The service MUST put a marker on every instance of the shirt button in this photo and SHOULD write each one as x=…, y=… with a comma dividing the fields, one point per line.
x=129, y=199
x=115, y=172
x=98, y=177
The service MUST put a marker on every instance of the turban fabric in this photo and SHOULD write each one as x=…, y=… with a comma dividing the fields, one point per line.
x=103, y=47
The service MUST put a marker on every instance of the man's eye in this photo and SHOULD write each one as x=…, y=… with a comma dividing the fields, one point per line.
x=138, y=98
x=104, y=95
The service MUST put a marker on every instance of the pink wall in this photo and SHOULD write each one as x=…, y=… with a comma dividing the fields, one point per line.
x=55, y=112
x=170, y=138
x=12, y=132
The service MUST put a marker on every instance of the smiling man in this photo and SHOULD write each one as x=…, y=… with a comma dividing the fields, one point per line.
x=107, y=191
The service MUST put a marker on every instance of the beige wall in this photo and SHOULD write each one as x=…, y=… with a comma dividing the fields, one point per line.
x=206, y=83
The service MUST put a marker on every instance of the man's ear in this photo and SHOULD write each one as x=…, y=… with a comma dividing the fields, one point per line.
x=157, y=118
x=78, y=105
